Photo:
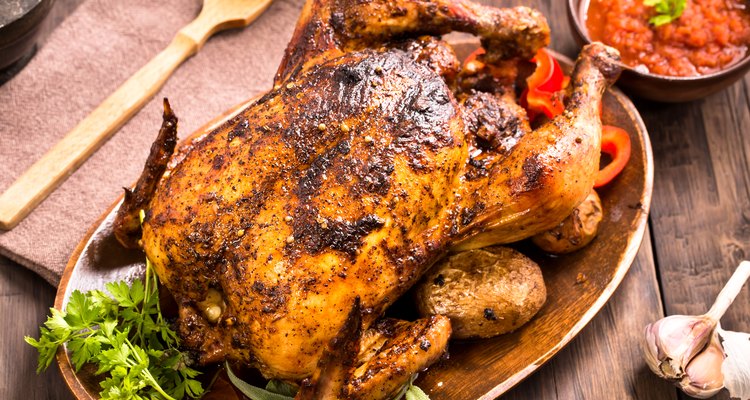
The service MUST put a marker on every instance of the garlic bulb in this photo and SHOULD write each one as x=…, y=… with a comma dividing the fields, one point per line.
x=671, y=343
x=695, y=353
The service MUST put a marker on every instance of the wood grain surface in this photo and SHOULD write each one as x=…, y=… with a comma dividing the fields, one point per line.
x=24, y=303
x=700, y=214
x=699, y=230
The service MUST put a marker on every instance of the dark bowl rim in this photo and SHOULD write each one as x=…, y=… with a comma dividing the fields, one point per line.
x=573, y=14
x=40, y=9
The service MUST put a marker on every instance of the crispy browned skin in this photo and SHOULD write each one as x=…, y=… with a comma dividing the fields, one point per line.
x=281, y=215
x=377, y=363
x=328, y=28
x=350, y=178
x=506, y=198
x=391, y=351
x=338, y=361
x=127, y=227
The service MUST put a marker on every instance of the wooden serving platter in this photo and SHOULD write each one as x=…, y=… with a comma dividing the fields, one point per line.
x=578, y=284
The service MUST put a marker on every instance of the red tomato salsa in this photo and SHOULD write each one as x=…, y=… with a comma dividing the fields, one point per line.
x=709, y=36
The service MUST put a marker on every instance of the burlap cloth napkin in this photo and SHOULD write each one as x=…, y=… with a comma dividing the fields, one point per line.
x=85, y=59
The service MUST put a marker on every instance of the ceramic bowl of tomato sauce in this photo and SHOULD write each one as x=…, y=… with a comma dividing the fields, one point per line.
x=684, y=58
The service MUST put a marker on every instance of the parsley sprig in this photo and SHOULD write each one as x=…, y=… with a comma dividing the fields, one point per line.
x=667, y=10
x=126, y=336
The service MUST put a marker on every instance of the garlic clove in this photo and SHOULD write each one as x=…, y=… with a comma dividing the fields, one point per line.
x=213, y=305
x=672, y=342
x=703, y=376
x=650, y=350
x=736, y=366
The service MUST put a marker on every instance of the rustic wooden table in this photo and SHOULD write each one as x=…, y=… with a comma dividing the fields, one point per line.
x=699, y=231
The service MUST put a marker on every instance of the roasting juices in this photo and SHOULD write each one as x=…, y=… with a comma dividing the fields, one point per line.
x=700, y=37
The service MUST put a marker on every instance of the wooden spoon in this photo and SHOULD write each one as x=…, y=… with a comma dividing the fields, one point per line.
x=68, y=154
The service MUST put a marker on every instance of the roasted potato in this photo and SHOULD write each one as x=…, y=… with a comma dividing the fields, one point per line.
x=575, y=231
x=485, y=292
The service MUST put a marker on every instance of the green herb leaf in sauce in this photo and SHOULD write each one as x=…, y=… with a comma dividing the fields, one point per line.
x=667, y=10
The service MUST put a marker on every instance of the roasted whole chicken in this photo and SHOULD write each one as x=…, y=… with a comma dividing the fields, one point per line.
x=285, y=233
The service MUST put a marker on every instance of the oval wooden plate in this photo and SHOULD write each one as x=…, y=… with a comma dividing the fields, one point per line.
x=480, y=369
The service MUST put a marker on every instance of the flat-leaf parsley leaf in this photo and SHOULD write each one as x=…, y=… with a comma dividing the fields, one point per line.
x=125, y=335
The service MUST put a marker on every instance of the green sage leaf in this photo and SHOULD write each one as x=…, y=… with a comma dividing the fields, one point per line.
x=253, y=392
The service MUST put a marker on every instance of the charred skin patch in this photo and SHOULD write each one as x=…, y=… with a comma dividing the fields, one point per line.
x=468, y=214
x=496, y=122
x=434, y=54
x=240, y=130
x=494, y=125
x=533, y=176
x=375, y=175
x=477, y=168
x=533, y=171
x=403, y=99
x=396, y=107
x=274, y=297
x=218, y=162
x=309, y=181
x=315, y=235
x=394, y=103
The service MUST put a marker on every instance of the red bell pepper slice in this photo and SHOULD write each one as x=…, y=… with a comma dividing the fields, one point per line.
x=474, y=54
x=541, y=94
x=615, y=143
x=472, y=62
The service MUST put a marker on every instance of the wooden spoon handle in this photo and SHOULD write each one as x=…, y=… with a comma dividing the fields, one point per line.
x=69, y=153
